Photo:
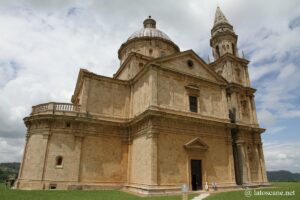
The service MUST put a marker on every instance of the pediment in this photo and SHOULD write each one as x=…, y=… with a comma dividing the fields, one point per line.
x=196, y=144
x=189, y=62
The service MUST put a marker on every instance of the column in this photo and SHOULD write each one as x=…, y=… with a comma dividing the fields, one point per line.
x=231, y=171
x=257, y=157
x=247, y=163
x=242, y=162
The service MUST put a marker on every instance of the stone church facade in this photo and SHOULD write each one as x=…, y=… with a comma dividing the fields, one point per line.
x=165, y=118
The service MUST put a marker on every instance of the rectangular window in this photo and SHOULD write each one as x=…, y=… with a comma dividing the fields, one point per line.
x=193, y=103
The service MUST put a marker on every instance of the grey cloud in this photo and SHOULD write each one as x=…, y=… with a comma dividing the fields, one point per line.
x=282, y=155
x=294, y=23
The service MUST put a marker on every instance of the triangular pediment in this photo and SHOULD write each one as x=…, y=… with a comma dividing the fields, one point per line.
x=196, y=144
x=188, y=62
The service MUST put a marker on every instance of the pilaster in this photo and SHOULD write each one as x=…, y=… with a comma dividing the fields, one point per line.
x=153, y=86
x=46, y=137
x=153, y=135
x=79, y=139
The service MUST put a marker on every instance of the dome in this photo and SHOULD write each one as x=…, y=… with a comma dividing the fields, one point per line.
x=149, y=30
x=148, y=41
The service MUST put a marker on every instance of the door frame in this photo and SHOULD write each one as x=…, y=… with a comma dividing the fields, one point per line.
x=189, y=169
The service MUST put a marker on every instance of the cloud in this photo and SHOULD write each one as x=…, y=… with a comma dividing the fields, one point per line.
x=294, y=23
x=11, y=150
x=278, y=98
x=276, y=129
x=282, y=155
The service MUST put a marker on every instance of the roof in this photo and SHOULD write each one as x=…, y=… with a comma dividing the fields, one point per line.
x=220, y=17
x=149, y=30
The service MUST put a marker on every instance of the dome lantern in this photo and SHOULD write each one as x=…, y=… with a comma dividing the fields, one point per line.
x=149, y=23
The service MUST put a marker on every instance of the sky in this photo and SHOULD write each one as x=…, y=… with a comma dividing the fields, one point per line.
x=43, y=44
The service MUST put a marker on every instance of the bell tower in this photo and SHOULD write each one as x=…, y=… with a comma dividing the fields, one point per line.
x=240, y=97
x=224, y=45
x=234, y=69
x=223, y=38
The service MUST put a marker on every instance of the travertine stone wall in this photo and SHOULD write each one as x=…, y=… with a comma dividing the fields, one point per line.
x=131, y=67
x=234, y=71
x=108, y=98
x=91, y=154
x=174, y=159
x=172, y=94
x=103, y=160
x=33, y=165
x=251, y=159
x=69, y=150
x=141, y=94
x=140, y=164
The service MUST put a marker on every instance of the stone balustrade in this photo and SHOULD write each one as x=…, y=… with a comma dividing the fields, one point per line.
x=53, y=107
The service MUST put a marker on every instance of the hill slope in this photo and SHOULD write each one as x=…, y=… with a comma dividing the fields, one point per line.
x=283, y=175
x=9, y=170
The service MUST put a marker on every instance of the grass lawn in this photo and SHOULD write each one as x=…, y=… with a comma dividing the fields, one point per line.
x=280, y=186
x=8, y=194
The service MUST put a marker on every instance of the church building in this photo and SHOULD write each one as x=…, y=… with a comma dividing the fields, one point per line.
x=166, y=118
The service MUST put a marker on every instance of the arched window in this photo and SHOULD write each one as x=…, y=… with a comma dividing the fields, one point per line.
x=59, y=161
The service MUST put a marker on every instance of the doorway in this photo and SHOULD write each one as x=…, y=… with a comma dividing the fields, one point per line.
x=196, y=175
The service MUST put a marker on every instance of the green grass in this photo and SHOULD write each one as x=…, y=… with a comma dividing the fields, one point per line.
x=278, y=186
x=8, y=194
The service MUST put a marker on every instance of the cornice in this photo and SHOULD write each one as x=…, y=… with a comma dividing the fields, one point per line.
x=229, y=56
x=149, y=114
x=234, y=87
